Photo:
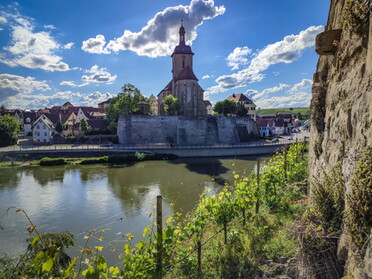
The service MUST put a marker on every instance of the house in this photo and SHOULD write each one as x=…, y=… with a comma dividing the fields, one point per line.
x=263, y=127
x=287, y=119
x=209, y=107
x=270, y=126
x=248, y=104
x=28, y=118
x=43, y=128
x=102, y=106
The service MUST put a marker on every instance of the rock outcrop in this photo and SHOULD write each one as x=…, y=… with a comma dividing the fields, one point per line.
x=342, y=109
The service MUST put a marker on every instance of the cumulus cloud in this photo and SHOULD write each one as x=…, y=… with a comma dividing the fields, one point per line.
x=258, y=95
x=287, y=50
x=97, y=75
x=304, y=84
x=30, y=49
x=3, y=20
x=299, y=99
x=68, y=46
x=95, y=45
x=238, y=57
x=95, y=98
x=160, y=35
x=11, y=85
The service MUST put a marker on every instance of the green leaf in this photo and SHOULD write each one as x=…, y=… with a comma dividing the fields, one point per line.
x=47, y=266
x=127, y=249
x=114, y=270
x=36, y=238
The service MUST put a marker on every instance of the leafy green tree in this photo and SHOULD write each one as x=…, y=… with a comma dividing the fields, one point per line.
x=59, y=128
x=241, y=110
x=125, y=103
x=84, y=126
x=225, y=107
x=9, y=127
x=172, y=105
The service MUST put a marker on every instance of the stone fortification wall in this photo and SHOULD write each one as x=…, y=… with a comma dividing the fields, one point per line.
x=342, y=109
x=182, y=130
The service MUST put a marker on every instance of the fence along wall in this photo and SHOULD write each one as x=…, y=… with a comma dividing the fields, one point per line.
x=182, y=130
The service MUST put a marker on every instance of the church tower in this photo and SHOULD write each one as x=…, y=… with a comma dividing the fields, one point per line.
x=184, y=84
x=182, y=54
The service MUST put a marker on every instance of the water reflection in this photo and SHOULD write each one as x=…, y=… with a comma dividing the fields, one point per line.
x=115, y=198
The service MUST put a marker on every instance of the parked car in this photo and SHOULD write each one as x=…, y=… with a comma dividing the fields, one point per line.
x=106, y=144
x=290, y=138
x=275, y=140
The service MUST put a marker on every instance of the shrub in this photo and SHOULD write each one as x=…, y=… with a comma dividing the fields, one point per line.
x=52, y=161
x=90, y=161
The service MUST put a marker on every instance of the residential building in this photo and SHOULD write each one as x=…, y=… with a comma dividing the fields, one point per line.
x=44, y=128
x=248, y=104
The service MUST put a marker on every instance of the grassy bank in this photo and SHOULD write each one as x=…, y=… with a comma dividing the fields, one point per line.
x=244, y=230
x=112, y=159
x=273, y=111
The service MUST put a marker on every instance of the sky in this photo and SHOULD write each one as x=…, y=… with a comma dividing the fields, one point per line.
x=84, y=51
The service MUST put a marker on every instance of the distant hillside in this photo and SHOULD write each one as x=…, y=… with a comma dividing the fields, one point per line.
x=305, y=112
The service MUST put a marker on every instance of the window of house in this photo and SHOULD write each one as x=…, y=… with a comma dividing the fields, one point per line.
x=44, y=127
x=45, y=133
x=37, y=127
x=44, y=140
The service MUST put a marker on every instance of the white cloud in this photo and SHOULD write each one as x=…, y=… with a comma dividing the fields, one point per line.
x=160, y=35
x=68, y=46
x=238, y=57
x=50, y=26
x=207, y=76
x=287, y=50
x=95, y=98
x=258, y=95
x=97, y=75
x=299, y=99
x=95, y=45
x=11, y=85
x=304, y=84
x=3, y=20
x=30, y=49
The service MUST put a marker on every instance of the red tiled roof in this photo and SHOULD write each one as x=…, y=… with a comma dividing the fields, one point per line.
x=100, y=124
x=238, y=98
x=186, y=73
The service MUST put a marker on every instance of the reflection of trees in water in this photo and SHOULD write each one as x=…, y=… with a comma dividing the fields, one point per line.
x=92, y=172
x=9, y=177
x=174, y=181
x=44, y=175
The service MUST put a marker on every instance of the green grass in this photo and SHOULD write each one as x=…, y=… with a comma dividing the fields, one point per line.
x=9, y=164
x=274, y=111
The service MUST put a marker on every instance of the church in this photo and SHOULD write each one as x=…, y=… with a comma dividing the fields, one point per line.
x=184, y=84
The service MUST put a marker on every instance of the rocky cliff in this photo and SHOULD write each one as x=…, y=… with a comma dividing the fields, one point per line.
x=341, y=129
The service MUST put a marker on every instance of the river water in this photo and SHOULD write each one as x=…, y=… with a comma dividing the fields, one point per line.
x=116, y=199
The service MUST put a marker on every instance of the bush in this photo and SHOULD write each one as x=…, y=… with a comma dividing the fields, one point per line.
x=90, y=161
x=52, y=161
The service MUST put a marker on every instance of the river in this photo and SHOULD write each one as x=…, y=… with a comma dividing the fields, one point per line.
x=116, y=199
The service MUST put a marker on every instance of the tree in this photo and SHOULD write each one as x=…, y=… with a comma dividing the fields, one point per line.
x=172, y=105
x=84, y=126
x=125, y=103
x=225, y=107
x=59, y=128
x=9, y=127
x=241, y=110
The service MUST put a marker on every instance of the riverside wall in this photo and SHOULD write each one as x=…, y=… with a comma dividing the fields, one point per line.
x=182, y=130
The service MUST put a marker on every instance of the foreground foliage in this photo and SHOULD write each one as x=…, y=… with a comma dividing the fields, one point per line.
x=238, y=228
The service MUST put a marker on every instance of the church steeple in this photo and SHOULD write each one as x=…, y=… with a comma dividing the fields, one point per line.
x=182, y=34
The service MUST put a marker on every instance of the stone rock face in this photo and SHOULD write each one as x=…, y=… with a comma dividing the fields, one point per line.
x=342, y=113
x=182, y=130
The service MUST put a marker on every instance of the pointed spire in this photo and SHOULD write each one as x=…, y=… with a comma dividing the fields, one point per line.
x=182, y=33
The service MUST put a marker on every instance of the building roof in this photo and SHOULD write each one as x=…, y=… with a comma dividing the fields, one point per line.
x=186, y=73
x=101, y=124
x=29, y=114
x=105, y=102
x=182, y=49
x=239, y=98
x=207, y=103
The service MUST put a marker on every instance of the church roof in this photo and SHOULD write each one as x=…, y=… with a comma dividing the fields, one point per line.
x=182, y=49
x=186, y=73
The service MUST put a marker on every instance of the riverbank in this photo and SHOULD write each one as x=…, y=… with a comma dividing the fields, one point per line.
x=243, y=229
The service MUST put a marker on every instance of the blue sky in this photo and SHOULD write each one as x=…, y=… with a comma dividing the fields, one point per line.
x=84, y=51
